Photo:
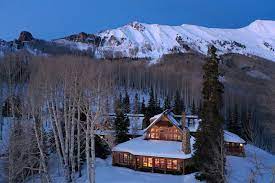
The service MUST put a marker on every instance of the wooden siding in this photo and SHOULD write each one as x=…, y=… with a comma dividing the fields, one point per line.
x=150, y=163
x=236, y=149
x=164, y=130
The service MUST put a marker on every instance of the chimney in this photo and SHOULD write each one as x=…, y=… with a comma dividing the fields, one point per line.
x=183, y=119
x=186, y=148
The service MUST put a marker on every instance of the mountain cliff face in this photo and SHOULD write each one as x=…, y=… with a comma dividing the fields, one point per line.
x=140, y=40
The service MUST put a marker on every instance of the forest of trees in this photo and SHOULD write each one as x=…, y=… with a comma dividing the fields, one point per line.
x=72, y=93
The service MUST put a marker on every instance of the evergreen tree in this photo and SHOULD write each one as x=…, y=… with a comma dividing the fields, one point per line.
x=166, y=104
x=126, y=103
x=136, y=104
x=143, y=107
x=151, y=108
x=200, y=109
x=158, y=108
x=122, y=124
x=230, y=121
x=234, y=124
x=209, y=154
x=248, y=127
x=118, y=103
x=178, y=104
x=193, y=108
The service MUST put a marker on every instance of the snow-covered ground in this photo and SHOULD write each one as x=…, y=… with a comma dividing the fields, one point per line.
x=239, y=170
x=257, y=161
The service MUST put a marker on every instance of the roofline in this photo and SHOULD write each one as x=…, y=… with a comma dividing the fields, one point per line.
x=157, y=120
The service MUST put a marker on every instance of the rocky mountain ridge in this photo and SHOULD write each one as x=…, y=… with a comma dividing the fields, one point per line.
x=141, y=40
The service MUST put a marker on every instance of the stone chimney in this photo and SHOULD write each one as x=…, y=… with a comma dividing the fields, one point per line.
x=183, y=119
x=186, y=148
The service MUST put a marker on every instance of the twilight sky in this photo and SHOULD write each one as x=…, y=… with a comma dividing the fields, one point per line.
x=50, y=19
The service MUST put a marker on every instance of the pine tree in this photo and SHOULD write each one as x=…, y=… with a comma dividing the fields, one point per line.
x=136, y=104
x=118, y=103
x=178, y=104
x=166, y=104
x=200, y=109
x=126, y=103
x=234, y=124
x=121, y=127
x=193, y=108
x=230, y=121
x=143, y=107
x=209, y=154
x=248, y=127
x=151, y=108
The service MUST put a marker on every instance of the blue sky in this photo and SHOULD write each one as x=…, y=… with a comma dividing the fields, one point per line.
x=50, y=19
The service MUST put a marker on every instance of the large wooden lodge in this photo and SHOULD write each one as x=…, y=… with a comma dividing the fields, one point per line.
x=167, y=146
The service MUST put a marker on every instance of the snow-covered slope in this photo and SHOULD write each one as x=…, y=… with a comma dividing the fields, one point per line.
x=141, y=40
x=152, y=40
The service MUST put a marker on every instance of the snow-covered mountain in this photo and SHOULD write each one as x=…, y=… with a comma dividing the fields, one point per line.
x=152, y=40
x=141, y=40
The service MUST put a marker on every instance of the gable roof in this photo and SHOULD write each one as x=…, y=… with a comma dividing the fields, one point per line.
x=169, y=115
x=232, y=137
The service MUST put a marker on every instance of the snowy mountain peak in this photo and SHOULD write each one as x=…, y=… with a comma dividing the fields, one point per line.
x=142, y=40
x=152, y=40
x=263, y=26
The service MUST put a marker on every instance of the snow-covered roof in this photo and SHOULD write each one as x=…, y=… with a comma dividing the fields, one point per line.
x=158, y=117
x=231, y=137
x=156, y=148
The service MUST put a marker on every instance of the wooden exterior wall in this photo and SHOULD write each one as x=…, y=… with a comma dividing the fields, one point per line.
x=149, y=163
x=236, y=149
x=164, y=130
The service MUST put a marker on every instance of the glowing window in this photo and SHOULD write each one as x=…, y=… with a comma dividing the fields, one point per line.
x=175, y=164
x=162, y=163
x=169, y=164
x=144, y=160
x=125, y=158
x=150, y=161
x=157, y=164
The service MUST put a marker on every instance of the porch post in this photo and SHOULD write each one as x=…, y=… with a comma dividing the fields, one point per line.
x=135, y=162
x=153, y=164
x=165, y=163
x=183, y=167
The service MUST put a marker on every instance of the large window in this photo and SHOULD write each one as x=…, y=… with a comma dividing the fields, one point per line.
x=150, y=162
x=175, y=164
x=165, y=133
x=147, y=162
x=154, y=133
x=124, y=158
x=172, y=164
x=157, y=163
x=169, y=164
x=162, y=163
x=144, y=161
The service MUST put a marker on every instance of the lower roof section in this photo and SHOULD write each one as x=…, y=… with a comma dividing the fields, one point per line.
x=156, y=148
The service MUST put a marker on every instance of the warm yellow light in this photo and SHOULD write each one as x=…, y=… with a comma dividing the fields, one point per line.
x=241, y=145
